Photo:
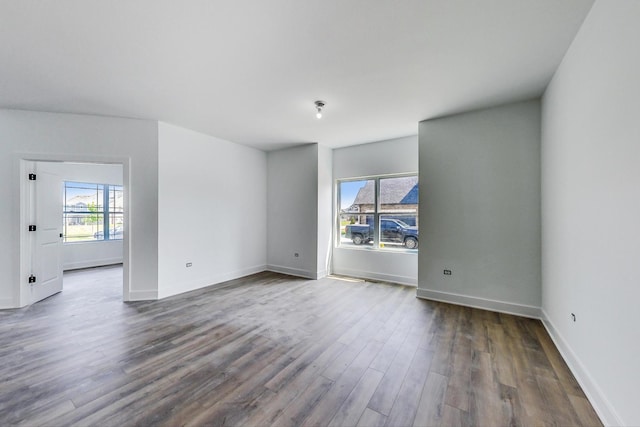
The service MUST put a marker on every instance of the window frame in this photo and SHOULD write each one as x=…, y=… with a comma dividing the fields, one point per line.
x=377, y=213
x=105, y=213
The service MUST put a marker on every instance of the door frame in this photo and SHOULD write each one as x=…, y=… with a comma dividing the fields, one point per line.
x=23, y=166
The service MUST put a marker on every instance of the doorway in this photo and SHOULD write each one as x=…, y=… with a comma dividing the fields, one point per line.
x=70, y=226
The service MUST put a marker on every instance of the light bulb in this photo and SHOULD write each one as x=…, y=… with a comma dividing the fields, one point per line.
x=319, y=105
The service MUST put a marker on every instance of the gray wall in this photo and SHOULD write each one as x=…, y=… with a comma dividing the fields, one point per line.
x=591, y=209
x=292, y=216
x=480, y=208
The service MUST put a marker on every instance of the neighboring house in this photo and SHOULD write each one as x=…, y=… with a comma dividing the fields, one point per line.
x=83, y=203
x=397, y=196
x=79, y=203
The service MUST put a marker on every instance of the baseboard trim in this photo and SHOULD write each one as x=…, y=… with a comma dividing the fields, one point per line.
x=482, y=303
x=7, y=303
x=90, y=264
x=210, y=281
x=321, y=273
x=298, y=272
x=148, y=295
x=598, y=400
x=402, y=280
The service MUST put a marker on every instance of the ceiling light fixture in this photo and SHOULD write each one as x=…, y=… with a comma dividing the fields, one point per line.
x=319, y=106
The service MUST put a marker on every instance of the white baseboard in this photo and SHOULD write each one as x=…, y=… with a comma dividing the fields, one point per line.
x=209, y=281
x=148, y=295
x=321, y=273
x=483, y=303
x=598, y=400
x=6, y=303
x=93, y=263
x=298, y=272
x=403, y=280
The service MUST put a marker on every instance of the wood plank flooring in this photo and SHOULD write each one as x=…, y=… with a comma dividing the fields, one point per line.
x=275, y=350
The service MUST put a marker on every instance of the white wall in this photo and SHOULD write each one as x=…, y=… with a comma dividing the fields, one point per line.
x=81, y=138
x=480, y=208
x=93, y=253
x=292, y=211
x=591, y=209
x=379, y=158
x=393, y=156
x=212, y=204
x=100, y=173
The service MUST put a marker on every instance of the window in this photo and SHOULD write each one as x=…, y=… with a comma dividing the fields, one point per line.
x=379, y=213
x=92, y=212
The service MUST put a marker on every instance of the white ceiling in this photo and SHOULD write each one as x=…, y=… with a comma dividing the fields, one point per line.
x=249, y=70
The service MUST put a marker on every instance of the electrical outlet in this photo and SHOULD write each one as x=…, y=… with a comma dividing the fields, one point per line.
x=447, y=272
x=189, y=264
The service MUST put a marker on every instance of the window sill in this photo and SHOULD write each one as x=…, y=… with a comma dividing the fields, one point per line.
x=373, y=249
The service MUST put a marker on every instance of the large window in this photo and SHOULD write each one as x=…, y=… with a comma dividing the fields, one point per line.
x=379, y=213
x=92, y=212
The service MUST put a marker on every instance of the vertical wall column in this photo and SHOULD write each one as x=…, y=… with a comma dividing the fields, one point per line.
x=480, y=209
x=299, y=216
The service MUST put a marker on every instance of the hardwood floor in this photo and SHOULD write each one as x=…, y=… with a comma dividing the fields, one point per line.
x=276, y=350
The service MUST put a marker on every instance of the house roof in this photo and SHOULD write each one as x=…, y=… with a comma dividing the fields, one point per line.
x=402, y=190
x=88, y=199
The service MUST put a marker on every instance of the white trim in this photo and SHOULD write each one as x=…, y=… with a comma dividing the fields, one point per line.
x=211, y=281
x=483, y=303
x=7, y=303
x=92, y=263
x=597, y=398
x=149, y=295
x=321, y=273
x=403, y=280
x=24, y=242
x=298, y=272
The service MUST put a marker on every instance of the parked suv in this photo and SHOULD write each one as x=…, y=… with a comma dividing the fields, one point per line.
x=391, y=231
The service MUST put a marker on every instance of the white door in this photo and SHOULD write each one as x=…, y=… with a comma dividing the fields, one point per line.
x=47, y=247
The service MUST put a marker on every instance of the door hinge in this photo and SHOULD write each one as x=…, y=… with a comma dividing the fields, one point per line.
x=32, y=177
x=32, y=279
x=32, y=228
